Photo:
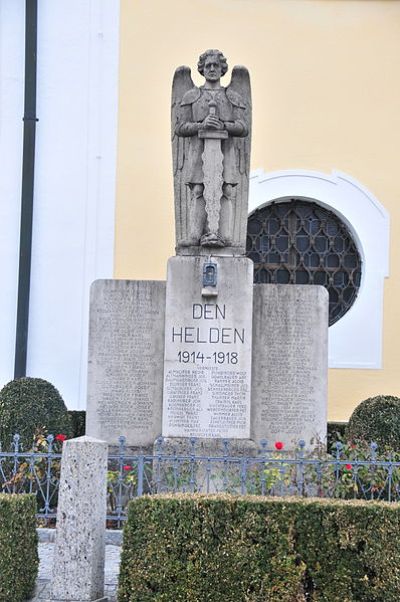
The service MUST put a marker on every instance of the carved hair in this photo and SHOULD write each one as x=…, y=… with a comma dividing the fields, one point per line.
x=212, y=52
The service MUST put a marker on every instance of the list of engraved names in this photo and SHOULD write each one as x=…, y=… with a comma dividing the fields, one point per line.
x=125, y=358
x=206, y=389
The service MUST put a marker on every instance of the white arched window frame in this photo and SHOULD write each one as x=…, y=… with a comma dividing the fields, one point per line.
x=355, y=341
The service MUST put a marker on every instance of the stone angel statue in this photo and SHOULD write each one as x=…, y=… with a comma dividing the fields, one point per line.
x=211, y=134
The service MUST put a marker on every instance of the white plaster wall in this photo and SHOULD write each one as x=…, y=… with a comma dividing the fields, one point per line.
x=355, y=341
x=12, y=32
x=73, y=229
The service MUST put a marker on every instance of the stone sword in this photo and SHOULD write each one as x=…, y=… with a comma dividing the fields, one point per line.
x=213, y=172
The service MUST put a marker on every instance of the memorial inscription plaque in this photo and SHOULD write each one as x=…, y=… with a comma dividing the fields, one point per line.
x=207, y=368
x=126, y=353
x=289, y=365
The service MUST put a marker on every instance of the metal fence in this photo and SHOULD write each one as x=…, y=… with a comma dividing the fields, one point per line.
x=347, y=472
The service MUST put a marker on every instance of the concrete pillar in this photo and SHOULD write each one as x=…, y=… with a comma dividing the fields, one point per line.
x=78, y=567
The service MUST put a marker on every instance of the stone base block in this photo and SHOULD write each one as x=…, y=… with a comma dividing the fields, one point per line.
x=210, y=465
x=131, y=450
x=237, y=251
x=80, y=600
x=182, y=446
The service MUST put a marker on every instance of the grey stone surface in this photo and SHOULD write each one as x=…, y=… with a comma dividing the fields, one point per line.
x=289, y=364
x=46, y=553
x=211, y=131
x=78, y=567
x=182, y=446
x=113, y=537
x=126, y=352
x=46, y=535
x=207, y=370
x=203, y=477
x=47, y=591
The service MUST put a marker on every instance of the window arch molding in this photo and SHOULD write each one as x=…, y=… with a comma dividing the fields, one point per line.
x=355, y=341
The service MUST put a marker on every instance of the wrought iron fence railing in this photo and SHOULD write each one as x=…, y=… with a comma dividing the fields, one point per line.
x=347, y=472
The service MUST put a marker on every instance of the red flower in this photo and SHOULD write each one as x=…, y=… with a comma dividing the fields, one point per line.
x=127, y=467
x=61, y=437
x=279, y=445
x=348, y=466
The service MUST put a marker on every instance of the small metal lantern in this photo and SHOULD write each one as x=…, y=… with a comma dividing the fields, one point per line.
x=209, y=274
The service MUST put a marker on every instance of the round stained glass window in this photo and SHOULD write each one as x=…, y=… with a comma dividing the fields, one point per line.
x=300, y=242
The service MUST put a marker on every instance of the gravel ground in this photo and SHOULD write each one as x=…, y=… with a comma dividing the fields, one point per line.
x=46, y=551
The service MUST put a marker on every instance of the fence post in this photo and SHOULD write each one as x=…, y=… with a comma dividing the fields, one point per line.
x=140, y=475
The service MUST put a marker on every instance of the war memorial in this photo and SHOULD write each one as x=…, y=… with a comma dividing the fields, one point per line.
x=207, y=354
x=205, y=358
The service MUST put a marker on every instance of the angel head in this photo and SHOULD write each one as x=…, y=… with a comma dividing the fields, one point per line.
x=212, y=64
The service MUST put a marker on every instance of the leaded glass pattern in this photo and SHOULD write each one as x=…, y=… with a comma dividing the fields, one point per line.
x=300, y=242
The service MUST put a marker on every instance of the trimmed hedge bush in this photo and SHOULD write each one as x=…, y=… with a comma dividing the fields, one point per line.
x=253, y=549
x=19, y=559
x=377, y=419
x=78, y=422
x=28, y=405
x=336, y=432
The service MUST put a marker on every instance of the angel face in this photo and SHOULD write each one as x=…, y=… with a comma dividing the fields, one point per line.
x=212, y=68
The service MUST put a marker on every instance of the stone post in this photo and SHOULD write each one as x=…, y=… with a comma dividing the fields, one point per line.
x=78, y=567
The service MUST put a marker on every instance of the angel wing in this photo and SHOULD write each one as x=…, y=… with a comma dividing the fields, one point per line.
x=182, y=82
x=240, y=85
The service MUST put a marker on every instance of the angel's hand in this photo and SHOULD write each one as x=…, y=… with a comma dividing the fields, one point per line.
x=212, y=123
x=235, y=128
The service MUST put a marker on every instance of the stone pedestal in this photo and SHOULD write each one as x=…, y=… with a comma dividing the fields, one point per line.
x=78, y=569
x=126, y=354
x=208, y=331
x=205, y=465
x=289, y=364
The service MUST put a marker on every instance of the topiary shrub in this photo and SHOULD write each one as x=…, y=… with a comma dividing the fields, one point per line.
x=78, y=421
x=377, y=419
x=336, y=432
x=29, y=405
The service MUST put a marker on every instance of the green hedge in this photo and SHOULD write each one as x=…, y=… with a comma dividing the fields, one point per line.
x=18, y=547
x=252, y=549
x=336, y=432
x=377, y=419
x=30, y=405
x=78, y=421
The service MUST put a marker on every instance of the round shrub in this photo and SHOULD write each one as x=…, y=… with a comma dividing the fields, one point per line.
x=29, y=405
x=377, y=419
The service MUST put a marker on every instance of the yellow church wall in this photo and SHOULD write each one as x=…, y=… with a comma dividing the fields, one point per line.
x=326, y=91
